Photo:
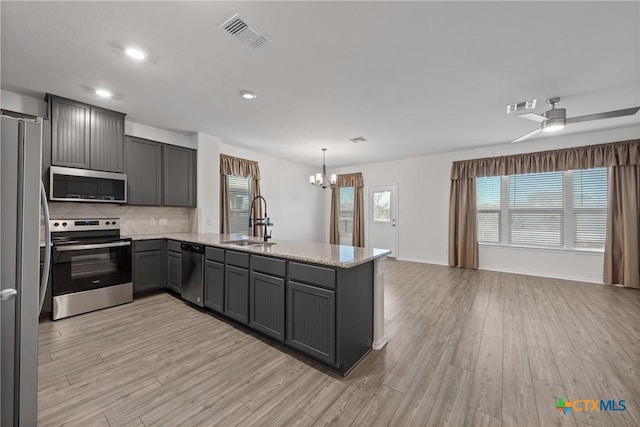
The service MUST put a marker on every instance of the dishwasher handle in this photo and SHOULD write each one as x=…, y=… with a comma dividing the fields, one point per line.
x=189, y=247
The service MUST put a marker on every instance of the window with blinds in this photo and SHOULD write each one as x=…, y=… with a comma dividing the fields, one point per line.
x=488, y=206
x=239, y=190
x=536, y=209
x=345, y=213
x=589, y=208
x=565, y=210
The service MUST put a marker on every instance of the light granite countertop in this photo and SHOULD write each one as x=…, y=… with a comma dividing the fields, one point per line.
x=317, y=253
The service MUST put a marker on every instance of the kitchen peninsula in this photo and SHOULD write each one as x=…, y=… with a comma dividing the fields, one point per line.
x=326, y=301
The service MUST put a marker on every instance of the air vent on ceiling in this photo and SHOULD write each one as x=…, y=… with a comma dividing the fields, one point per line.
x=358, y=139
x=238, y=28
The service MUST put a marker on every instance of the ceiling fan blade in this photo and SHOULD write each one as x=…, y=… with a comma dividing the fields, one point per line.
x=523, y=137
x=532, y=116
x=607, y=115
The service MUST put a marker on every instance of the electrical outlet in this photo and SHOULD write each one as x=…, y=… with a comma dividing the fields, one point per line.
x=152, y=221
x=163, y=221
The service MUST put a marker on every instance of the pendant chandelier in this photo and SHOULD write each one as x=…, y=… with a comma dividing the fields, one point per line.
x=321, y=179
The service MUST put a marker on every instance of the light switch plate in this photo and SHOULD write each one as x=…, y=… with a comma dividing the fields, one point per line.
x=163, y=221
x=152, y=221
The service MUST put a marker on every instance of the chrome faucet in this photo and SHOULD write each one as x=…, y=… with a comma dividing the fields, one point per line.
x=260, y=221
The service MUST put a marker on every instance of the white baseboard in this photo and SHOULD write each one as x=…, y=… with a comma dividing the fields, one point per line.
x=547, y=275
x=506, y=270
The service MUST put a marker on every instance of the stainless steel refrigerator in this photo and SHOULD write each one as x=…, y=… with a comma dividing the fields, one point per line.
x=21, y=289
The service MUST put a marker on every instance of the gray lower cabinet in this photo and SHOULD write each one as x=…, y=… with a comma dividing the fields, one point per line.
x=214, y=285
x=179, y=176
x=147, y=274
x=174, y=271
x=236, y=293
x=144, y=171
x=311, y=317
x=266, y=305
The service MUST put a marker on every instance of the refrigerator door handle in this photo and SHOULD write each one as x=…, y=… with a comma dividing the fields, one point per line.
x=47, y=251
x=7, y=294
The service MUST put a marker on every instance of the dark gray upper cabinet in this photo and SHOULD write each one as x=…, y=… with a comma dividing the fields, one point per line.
x=107, y=140
x=84, y=136
x=144, y=171
x=179, y=176
x=70, y=132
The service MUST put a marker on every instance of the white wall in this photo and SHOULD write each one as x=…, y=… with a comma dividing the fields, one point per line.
x=423, y=215
x=296, y=208
x=208, y=212
x=19, y=103
x=160, y=135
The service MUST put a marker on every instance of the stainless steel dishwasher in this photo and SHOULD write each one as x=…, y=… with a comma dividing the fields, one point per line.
x=192, y=273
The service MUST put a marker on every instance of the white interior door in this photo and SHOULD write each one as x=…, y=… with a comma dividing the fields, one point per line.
x=383, y=224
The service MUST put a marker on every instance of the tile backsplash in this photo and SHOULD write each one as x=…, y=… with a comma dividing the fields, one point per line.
x=133, y=219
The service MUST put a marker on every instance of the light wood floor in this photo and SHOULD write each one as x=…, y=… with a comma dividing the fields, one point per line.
x=472, y=348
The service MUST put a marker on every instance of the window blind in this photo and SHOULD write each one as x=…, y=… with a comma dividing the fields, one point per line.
x=345, y=214
x=536, y=209
x=488, y=208
x=589, y=208
x=239, y=190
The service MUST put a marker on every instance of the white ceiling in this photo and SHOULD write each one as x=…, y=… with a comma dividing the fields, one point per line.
x=412, y=77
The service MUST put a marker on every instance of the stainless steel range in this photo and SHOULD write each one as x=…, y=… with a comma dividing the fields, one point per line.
x=91, y=266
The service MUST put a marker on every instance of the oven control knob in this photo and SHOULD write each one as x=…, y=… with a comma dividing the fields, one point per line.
x=55, y=224
x=106, y=223
x=64, y=224
x=113, y=223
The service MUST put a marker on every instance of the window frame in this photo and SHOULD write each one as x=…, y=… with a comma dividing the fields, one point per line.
x=568, y=211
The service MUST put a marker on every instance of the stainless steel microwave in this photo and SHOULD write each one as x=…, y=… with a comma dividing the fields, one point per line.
x=83, y=185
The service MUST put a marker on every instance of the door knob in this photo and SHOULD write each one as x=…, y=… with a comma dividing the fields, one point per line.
x=7, y=294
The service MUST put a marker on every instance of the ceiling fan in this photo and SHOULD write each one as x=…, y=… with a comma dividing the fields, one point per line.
x=556, y=118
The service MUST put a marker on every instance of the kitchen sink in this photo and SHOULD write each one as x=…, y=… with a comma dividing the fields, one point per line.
x=244, y=242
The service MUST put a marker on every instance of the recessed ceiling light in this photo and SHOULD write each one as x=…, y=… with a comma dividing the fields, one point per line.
x=248, y=95
x=103, y=93
x=136, y=53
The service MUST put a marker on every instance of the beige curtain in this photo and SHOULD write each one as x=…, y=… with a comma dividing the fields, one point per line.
x=622, y=249
x=623, y=159
x=358, y=218
x=334, y=236
x=348, y=180
x=463, y=241
x=236, y=166
x=224, y=205
x=587, y=157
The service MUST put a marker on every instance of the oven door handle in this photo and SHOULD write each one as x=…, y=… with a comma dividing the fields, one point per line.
x=94, y=246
